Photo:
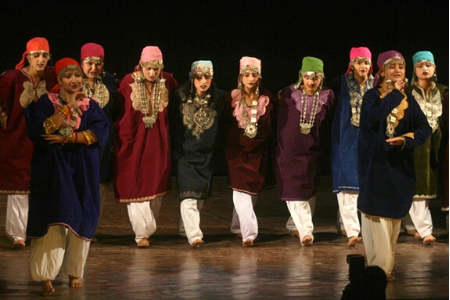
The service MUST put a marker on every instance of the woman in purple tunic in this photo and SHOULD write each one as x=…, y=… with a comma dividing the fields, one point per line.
x=64, y=191
x=301, y=109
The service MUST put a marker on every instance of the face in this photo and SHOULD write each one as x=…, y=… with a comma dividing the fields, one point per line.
x=71, y=81
x=92, y=68
x=311, y=82
x=150, y=73
x=425, y=70
x=395, y=71
x=361, y=67
x=250, y=80
x=202, y=84
x=38, y=60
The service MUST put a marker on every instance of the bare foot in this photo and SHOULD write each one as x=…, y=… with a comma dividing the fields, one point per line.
x=353, y=240
x=307, y=241
x=295, y=233
x=144, y=243
x=389, y=277
x=74, y=282
x=414, y=233
x=247, y=243
x=197, y=243
x=47, y=288
x=19, y=244
x=429, y=239
x=239, y=235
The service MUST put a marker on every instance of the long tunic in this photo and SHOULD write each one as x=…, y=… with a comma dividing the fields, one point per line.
x=64, y=188
x=386, y=173
x=193, y=152
x=16, y=149
x=297, y=153
x=426, y=156
x=142, y=162
x=247, y=158
x=345, y=136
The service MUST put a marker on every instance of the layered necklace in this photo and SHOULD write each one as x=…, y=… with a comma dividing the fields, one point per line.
x=197, y=115
x=157, y=95
x=98, y=91
x=430, y=103
x=250, y=122
x=307, y=124
x=356, y=92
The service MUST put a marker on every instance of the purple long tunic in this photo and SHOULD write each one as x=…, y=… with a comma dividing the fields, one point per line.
x=297, y=153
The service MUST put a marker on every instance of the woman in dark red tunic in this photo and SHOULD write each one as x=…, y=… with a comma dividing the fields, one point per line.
x=31, y=79
x=247, y=146
x=142, y=165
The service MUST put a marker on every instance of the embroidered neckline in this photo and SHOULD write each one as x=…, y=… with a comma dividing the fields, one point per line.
x=356, y=93
x=98, y=91
x=198, y=113
x=431, y=105
x=395, y=115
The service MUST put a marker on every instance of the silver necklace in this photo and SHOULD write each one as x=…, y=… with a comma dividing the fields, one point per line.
x=307, y=125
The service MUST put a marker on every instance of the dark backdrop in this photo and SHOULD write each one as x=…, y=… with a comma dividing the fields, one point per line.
x=280, y=33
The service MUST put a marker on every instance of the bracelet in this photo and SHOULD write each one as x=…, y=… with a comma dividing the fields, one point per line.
x=49, y=126
x=73, y=138
x=65, y=110
x=90, y=137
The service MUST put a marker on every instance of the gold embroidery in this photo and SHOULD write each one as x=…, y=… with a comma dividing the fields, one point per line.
x=90, y=137
x=49, y=126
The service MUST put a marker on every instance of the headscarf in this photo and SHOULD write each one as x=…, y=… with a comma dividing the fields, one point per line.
x=152, y=55
x=359, y=52
x=92, y=49
x=385, y=58
x=35, y=44
x=59, y=66
x=247, y=62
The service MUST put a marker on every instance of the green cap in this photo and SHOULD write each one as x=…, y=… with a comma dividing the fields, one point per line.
x=312, y=64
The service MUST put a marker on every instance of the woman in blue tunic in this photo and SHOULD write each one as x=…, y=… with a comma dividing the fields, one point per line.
x=392, y=124
x=67, y=128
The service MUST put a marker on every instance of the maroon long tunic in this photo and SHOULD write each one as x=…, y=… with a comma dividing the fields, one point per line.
x=16, y=149
x=297, y=153
x=247, y=158
x=142, y=165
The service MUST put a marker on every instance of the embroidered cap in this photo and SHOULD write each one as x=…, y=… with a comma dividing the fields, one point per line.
x=35, y=44
x=202, y=67
x=423, y=55
x=251, y=63
x=385, y=58
x=92, y=49
x=359, y=52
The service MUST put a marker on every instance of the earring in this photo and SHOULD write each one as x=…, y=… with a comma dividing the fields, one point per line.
x=389, y=84
x=434, y=77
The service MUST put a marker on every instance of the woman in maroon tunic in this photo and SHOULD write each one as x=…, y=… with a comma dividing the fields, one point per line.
x=247, y=146
x=142, y=166
x=31, y=79
x=306, y=104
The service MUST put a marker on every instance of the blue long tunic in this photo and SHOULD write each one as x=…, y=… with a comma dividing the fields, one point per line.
x=65, y=179
x=345, y=137
x=386, y=173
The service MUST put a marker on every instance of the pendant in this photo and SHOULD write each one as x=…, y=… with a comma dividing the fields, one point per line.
x=201, y=118
x=305, y=128
x=149, y=121
x=251, y=131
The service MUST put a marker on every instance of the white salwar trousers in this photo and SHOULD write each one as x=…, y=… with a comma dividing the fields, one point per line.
x=143, y=216
x=348, y=213
x=190, y=218
x=380, y=238
x=301, y=217
x=244, y=218
x=59, y=248
x=16, y=217
x=419, y=217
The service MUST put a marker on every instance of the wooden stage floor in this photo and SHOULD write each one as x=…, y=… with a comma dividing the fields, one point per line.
x=277, y=267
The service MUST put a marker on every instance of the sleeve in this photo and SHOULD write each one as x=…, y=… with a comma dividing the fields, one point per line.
x=422, y=129
x=375, y=110
x=35, y=115
x=98, y=123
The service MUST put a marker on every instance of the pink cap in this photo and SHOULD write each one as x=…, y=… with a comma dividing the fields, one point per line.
x=249, y=61
x=359, y=52
x=92, y=49
x=151, y=53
